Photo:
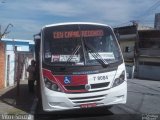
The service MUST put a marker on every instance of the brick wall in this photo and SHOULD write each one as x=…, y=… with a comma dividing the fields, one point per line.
x=2, y=64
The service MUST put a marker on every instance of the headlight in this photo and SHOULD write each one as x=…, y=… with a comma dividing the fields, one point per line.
x=51, y=85
x=119, y=80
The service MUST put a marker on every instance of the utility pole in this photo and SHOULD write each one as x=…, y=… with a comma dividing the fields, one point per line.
x=134, y=22
x=5, y=32
x=134, y=68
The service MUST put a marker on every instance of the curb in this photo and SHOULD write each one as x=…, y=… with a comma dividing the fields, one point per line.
x=33, y=109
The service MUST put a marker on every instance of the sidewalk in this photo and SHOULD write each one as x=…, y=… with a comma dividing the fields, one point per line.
x=11, y=103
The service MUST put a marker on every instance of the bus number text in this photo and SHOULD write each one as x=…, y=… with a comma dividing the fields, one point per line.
x=100, y=78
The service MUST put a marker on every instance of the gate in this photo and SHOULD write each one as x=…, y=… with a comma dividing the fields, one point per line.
x=22, y=60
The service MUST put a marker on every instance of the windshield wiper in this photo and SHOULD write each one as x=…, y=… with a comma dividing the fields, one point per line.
x=73, y=53
x=71, y=56
x=96, y=55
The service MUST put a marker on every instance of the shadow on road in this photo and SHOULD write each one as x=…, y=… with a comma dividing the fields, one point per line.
x=99, y=113
x=23, y=101
x=70, y=114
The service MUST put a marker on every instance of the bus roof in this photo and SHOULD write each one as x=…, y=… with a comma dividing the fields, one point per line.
x=74, y=23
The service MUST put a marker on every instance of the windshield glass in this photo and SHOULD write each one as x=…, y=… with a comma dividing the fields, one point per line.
x=80, y=45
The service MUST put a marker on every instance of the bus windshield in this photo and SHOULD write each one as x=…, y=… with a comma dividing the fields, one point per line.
x=79, y=45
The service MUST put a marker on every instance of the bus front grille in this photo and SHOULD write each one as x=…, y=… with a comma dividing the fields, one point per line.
x=80, y=87
x=93, y=86
x=88, y=99
x=99, y=85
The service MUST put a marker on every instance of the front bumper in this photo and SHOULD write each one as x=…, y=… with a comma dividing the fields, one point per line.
x=56, y=101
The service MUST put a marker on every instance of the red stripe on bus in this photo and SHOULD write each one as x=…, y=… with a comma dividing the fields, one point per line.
x=76, y=80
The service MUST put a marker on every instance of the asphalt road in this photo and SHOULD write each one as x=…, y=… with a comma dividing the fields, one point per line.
x=143, y=103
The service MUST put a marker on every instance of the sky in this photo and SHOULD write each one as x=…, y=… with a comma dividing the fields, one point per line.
x=29, y=16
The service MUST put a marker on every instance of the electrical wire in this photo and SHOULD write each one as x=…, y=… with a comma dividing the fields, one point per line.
x=149, y=10
x=141, y=18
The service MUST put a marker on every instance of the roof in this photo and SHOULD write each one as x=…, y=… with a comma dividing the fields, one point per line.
x=17, y=41
x=149, y=33
x=74, y=23
x=126, y=30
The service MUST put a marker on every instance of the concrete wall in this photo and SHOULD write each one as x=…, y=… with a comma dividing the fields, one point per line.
x=148, y=67
x=2, y=65
x=130, y=44
x=149, y=72
x=10, y=68
x=148, y=59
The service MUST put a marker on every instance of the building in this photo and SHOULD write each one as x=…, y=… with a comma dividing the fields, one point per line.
x=127, y=37
x=141, y=50
x=2, y=65
x=14, y=51
x=148, y=54
x=157, y=21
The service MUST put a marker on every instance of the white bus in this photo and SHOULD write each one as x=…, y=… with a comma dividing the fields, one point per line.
x=80, y=66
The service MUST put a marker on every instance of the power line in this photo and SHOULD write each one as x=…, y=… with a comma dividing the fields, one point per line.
x=149, y=10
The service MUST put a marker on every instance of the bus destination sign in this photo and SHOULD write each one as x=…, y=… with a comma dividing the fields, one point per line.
x=77, y=34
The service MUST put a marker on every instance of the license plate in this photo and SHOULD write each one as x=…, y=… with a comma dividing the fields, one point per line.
x=88, y=105
x=98, y=78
